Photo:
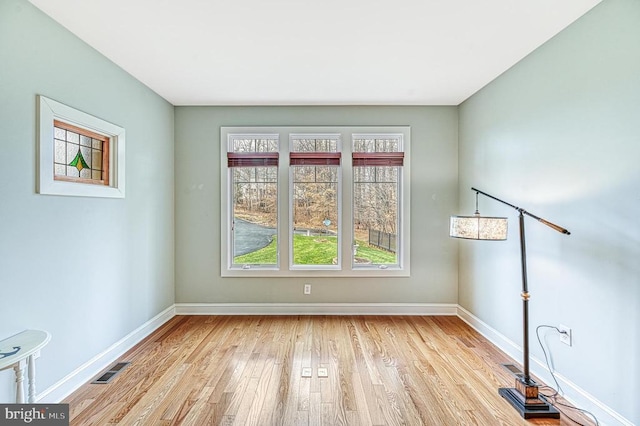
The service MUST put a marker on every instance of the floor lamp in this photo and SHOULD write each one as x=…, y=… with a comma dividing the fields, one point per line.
x=524, y=397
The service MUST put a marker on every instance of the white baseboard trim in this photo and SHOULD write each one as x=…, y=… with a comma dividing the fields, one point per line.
x=573, y=393
x=90, y=369
x=316, y=309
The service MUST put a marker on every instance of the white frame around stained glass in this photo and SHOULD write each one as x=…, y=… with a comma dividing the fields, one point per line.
x=50, y=111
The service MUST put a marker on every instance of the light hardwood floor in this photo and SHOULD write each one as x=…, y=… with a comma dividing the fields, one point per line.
x=246, y=370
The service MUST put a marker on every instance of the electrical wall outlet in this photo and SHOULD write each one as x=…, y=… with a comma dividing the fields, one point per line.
x=565, y=334
x=307, y=289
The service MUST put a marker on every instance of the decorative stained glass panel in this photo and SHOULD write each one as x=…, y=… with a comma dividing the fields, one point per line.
x=63, y=132
x=80, y=155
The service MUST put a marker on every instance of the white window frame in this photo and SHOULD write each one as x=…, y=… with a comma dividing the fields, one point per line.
x=227, y=201
x=338, y=266
x=401, y=195
x=285, y=224
x=50, y=110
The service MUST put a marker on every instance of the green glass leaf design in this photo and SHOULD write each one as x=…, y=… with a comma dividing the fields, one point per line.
x=78, y=162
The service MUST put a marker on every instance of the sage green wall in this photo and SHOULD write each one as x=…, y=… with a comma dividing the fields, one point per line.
x=559, y=135
x=88, y=270
x=433, y=187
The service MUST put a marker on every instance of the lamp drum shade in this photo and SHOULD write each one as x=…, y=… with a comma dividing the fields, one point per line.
x=478, y=227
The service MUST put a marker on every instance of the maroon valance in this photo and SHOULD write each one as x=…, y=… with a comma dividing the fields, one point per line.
x=314, y=158
x=378, y=159
x=252, y=159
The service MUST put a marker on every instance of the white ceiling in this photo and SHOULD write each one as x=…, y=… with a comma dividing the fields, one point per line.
x=322, y=52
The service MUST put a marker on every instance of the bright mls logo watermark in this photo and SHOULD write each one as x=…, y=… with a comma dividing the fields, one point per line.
x=34, y=414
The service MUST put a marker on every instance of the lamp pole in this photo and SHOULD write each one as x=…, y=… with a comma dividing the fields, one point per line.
x=525, y=300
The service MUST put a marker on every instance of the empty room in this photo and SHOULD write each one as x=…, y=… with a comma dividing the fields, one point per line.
x=320, y=213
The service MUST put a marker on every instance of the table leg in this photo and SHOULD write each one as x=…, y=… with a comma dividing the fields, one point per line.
x=31, y=371
x=19, y=369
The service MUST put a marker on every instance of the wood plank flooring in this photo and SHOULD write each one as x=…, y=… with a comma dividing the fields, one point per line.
x=247, y=370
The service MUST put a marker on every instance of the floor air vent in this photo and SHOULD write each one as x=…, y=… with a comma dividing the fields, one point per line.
x=513, y=370
x=110, y=374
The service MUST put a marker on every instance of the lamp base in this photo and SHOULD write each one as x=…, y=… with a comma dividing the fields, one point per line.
x=529, y=408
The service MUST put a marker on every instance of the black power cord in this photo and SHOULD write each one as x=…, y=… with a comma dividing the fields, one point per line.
x=558, y=389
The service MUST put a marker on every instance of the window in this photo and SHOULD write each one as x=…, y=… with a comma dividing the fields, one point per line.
x=252, y=162
x=315, y=201
x=79, y=154
x=377, y=172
